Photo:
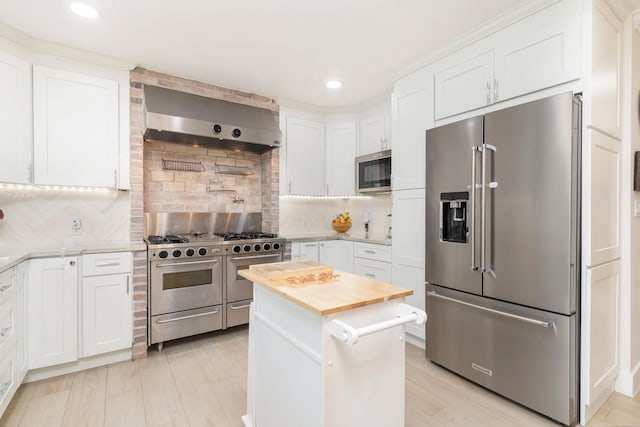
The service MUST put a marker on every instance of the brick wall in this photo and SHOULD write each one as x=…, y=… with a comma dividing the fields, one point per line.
x=153, y=189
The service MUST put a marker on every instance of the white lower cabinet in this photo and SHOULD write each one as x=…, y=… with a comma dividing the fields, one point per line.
x=52, y=306
x=11, y=337
x=305, y=250
x=373, y=261
x=338, y=254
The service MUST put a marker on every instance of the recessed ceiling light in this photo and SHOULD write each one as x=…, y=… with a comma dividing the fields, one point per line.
x=334, y=84
x=84, y=10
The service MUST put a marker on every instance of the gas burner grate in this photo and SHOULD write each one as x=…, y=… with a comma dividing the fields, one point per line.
x=156, y=240
x=247, y=235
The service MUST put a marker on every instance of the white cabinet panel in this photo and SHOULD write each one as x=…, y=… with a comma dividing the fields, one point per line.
x=106, y=313
x=606, y=61
x=340, y=154
x=373, y=251
x=15, y=120
x=600, y=335
x=8, y=377
x=21, y=321
x=52, y=301
x=602, y=199
x=76, y=137
x=408, y=248
x=411, y=115
x=305, y=250
x=375, y=133
x=338, y=254
x=465, y=86
x=305, y=157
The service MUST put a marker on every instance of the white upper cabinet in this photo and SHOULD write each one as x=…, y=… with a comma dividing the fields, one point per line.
x=606, y=63
x=464, y=86
x=411, y=116
x=76, y=133
x=15, y=119
x=537, y=52
x=375, y=133
x=340, y=155
x=305, y=157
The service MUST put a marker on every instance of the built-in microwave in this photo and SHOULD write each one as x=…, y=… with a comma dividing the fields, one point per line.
x=373, y=172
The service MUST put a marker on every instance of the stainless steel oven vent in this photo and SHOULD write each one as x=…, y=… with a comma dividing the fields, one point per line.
x=185, y=118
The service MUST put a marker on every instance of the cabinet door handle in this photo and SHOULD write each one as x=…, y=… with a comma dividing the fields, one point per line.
x=115, y=178
x=289, y=187
x=5, y=287
x=367, y=251
x=72, y=263
x=107, y=263
x=4, y=387
x=495, y=90
x=488, y=93
x=370, y=275
x=4, y=332
x=127, y=284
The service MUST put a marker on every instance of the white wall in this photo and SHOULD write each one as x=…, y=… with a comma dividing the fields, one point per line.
x=313, y=216
x=43, y=217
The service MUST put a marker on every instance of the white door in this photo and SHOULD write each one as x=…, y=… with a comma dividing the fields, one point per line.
x=305, y=157
x=340, y=158
x=106, y=313
x=15, y=119
x=75, y=119
x=464, y=86
x=338, y=254
x=52, y=301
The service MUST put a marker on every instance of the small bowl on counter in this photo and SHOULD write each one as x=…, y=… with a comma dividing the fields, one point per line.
x=341, y=227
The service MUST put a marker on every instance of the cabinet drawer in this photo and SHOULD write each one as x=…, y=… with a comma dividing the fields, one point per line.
x=7, y=285
x=376, y=270
x=8, y=322
x=8, y=377
x=238, y=313
x=107, y=263
x=372, y=251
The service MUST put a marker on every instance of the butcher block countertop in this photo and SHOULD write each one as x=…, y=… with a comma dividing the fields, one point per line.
x=327, y=295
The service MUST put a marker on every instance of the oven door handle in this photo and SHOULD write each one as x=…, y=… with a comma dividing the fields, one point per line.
x=171, y=264
x=240, y=258
x=187, y=317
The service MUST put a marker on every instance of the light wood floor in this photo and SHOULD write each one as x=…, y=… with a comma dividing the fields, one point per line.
x=201, y=381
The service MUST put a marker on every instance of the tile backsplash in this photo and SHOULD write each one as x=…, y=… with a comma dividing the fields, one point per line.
x=313, y=216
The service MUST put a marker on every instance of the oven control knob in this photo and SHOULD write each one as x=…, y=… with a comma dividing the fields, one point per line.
x=236, y=133
x=256, y=247
x=190, y=252
x=217, y=129
x=236, y=249
x=267, y=246
x=163, y=254
x=246, y=248
x=202, y=251
x=176, y=253
x=276, y=246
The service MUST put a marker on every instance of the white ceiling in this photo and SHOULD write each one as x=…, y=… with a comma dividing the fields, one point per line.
x=285, y=49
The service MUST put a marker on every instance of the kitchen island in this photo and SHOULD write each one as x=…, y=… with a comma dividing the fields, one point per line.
x=326, y=349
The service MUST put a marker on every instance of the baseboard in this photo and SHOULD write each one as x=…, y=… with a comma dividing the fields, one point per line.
x=415, y=340
x=78, y=365
x=628, y=382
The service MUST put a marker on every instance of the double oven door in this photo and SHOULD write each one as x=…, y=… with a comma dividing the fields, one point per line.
x=239, y=292
x=186, y=297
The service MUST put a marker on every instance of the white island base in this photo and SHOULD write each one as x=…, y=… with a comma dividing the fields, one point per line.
x=300, y=375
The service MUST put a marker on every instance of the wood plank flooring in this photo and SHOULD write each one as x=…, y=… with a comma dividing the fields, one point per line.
x=201, y=381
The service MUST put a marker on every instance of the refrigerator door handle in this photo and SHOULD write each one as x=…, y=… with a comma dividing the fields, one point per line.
x=472, y=235
x=536, y=322
x=483, y=213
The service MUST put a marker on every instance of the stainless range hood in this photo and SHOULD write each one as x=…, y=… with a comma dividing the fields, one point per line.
x=184, y=118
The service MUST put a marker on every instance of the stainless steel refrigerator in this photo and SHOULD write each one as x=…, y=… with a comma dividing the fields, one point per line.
x=502, y=260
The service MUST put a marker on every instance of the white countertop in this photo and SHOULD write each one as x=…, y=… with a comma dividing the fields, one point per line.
x=379, y=239
x=12, y=256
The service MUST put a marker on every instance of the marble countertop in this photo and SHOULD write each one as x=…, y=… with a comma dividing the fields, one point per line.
x=346, y=292
x=12, y=256
x=378, y=239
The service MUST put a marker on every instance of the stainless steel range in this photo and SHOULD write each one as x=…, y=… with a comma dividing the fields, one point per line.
x=194, y=259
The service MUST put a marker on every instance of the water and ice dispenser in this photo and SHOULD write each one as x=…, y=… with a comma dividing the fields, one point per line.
x=453, y=217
